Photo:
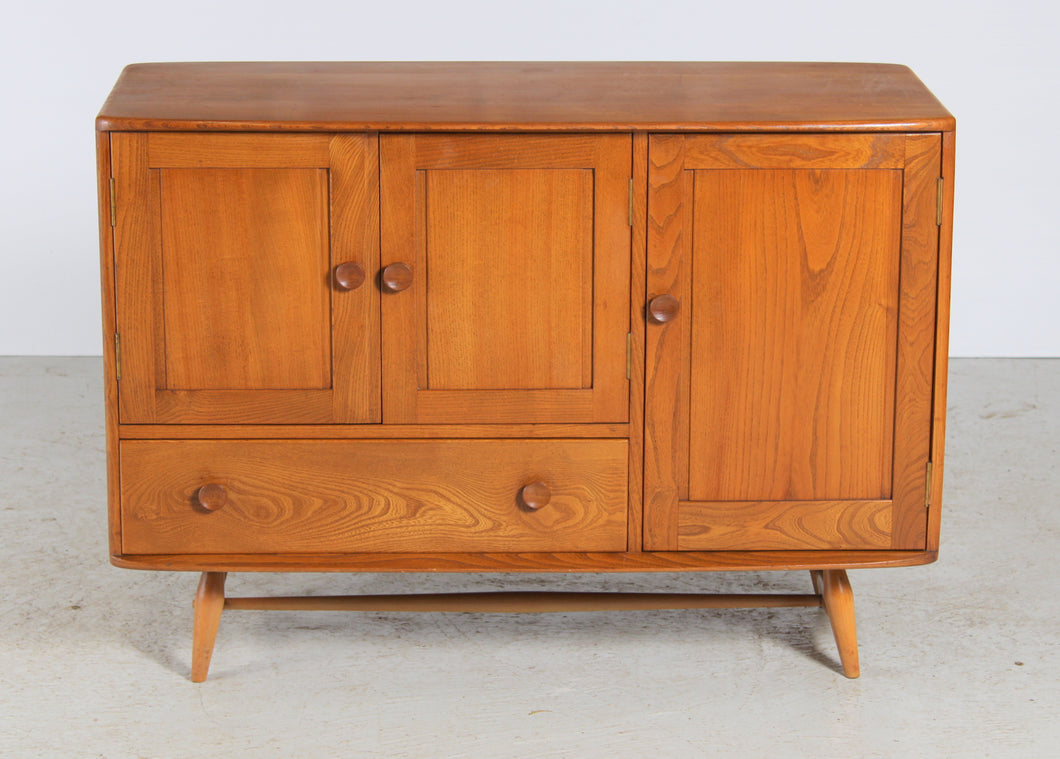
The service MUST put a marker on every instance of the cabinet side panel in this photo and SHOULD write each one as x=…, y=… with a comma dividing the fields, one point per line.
x=942, y=342
x=110, y=374
x=916, y=339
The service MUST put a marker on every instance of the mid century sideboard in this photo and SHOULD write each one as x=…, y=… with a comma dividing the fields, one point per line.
x=524, y=317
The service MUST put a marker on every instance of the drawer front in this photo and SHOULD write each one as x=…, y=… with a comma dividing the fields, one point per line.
x=327, y=496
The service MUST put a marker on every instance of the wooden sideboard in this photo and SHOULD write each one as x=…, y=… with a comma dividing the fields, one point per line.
x=525, y=317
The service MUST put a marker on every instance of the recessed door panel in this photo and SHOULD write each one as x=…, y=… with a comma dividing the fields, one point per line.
x=509, y=296
x=244, y=253
x=517, y=305
x=794, y=312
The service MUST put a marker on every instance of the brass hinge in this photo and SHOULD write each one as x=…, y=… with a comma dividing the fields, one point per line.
x=629, y=355
x=113, y=208
x=938, y=202
x=117, y=355
x=631, y=202
x=927, y=494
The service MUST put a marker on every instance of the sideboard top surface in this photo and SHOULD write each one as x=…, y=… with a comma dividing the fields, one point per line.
x=526, y=96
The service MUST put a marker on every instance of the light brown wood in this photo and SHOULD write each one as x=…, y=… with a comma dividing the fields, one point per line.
x=783, y=525
x=397, y=495
x=638, y=274
x=801, y=151
x=371, y=431
x=837, y=419
x=510, y=253
x=557, y=317
x=610, y=561
x=524, y=313
x=522, y=96
x=942, y=326
x=209, y=603
x=110, y=374
x=175, y=150
x=667, y=345
x=210, y=334
x=838, y=601
x=526, y=602
x=916, y=335
x=795, y=294
x=243, y=251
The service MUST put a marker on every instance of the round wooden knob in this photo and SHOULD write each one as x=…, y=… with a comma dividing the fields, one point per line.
x=534, y=496
x=663, y=308
x=396, y=277
x=211, y=497
x=349, y=276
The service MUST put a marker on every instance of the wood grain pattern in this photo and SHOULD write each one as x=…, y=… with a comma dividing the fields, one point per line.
x=916, y=337
x=138, y=277
x=474, y=215
x=795, y=298
x=510, y=254
x=398, y=495
x=110, y=374
x=522, y=96
x=838, y=601
x=244, y=251
x=524, y=602
x=638, y=288
x=354, y=215
x=647, y=561
x=942, y=326
x=669, y=238
x=209, y=603
x=384, y=431
x=236, y=376
x=783, y=525
x=174, y=150
x=802, y=151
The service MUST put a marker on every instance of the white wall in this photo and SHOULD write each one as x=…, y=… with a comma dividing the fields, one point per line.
x=995, y=65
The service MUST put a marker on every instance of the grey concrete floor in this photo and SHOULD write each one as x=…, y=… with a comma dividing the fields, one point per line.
x=959, y=658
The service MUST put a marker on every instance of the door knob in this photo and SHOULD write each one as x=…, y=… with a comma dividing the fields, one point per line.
x=396, y=277
x=534, y=496
x=349, y=276
x=211, y=497
x=663, y=308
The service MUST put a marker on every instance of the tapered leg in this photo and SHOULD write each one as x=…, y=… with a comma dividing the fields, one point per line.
x=209, y=601
x=839, y=603
x=815, y=577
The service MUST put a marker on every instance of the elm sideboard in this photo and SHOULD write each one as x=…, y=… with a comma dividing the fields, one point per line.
x=524, y=317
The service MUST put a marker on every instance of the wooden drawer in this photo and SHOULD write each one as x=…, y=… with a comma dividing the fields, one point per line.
x=328, y=496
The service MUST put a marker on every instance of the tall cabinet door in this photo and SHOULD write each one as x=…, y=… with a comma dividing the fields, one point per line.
x=244, y=264
x=505, y=278
x=791, y=308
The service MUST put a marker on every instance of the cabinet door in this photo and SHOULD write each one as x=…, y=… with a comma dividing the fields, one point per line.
x=505, y=277
x=789, y=364
x=227, y=307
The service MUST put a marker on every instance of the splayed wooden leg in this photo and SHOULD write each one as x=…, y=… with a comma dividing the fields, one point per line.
x=209, y=602
x=839, y=603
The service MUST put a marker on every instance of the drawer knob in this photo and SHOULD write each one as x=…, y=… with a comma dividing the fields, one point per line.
x=396, y=277
x=349, y=276
x=211, y=497
x=663, y=308
x=534, y=496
